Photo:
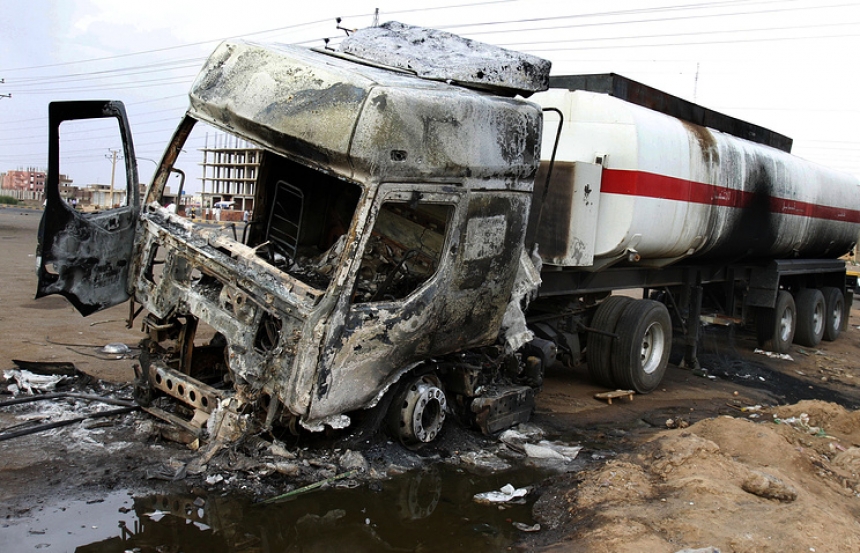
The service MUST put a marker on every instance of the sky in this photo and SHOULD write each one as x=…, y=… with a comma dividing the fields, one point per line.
x=787, y=65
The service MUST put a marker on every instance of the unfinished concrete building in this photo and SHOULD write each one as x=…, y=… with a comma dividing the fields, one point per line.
x=230, y=173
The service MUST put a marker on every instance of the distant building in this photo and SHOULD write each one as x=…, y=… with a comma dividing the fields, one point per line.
x=230, y=174
x=29, y=184
x=98, y=196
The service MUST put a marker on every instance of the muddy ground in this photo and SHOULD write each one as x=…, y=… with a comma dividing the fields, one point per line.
x=723, y=461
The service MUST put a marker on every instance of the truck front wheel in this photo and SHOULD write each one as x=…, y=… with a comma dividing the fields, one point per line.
x=417, y=411
x=641, y=351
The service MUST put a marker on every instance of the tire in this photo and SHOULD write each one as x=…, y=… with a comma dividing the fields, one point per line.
x=834, y=305
x=775, y=327
x=811, y=317
x=598, y=346
x=641, y=352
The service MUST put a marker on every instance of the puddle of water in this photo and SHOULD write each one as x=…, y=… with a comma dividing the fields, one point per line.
x=428, y=510
x=62, y=527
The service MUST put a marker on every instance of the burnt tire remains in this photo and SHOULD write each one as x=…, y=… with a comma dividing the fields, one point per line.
x=641, y=352
x=599, y=346
x=811, y=317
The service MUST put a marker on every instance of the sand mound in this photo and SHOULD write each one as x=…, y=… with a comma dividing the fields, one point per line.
x=728, y=483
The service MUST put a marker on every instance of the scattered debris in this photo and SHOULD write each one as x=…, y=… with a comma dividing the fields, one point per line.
x=609, y=396
x=310, y=487
x=677, y=423
x=801, y=423
x=525, y=527
x=484, y=460
x=551, y=450
x=49, y=426
x=57, y=368
x=116, y=348
x=354, y=461
x=506, y=494
x=214, y=479
x=703, y=373
x=29, y=383
x=772, y=355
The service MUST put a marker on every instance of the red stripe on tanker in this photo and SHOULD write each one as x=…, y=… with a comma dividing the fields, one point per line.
x=635, y=183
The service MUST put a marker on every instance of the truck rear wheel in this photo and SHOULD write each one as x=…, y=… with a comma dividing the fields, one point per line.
x=641, y=352
x=811, y=316
x=775, y=327
x=599, y=346
x=834, y=305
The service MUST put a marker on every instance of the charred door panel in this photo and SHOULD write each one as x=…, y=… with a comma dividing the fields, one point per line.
x=397, y=303
x=87, y=257
x=486, y=267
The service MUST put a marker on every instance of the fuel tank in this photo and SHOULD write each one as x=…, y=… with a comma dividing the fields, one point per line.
x=630, y=184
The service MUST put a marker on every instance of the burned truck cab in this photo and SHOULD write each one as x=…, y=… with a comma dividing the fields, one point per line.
x=386, y=239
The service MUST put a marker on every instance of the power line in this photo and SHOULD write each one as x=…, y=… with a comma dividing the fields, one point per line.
x=521, y=29
x=255, y=33
x=675, y=35
x=702, y=43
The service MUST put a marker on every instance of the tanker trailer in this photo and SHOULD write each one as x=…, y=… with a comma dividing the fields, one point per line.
x=711, y=216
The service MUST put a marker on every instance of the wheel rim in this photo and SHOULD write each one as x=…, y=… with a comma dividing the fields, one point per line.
x=836, y=316
x=422, y=412
x=653, y=342
x=786, y=324
x=818, y=318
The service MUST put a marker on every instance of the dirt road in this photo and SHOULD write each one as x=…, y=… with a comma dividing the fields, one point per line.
x=693, y=465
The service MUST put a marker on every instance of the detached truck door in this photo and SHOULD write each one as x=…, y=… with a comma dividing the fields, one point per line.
x=86, y=257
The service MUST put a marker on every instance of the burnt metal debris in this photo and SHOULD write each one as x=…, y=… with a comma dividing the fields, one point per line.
x=368, y=211
x=443, y=56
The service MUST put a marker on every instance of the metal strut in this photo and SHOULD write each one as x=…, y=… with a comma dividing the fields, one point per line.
x=691, y=337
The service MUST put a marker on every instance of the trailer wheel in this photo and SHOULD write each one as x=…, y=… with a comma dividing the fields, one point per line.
x=417, y=412
x=775, y=327
x=599, y=346
x=641, y=352
x=834, y=305
x=811, y=317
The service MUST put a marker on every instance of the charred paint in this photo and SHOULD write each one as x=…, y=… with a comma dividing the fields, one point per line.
x=551, y=230
x=442, y=56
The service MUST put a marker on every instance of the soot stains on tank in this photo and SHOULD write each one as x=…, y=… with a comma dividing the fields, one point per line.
x=754, y=224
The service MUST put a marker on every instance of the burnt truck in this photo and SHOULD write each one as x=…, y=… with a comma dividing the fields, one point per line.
x=435, y=222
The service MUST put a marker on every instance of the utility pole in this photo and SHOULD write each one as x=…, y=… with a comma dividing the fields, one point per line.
x=112, y=175
x=3, y=81
x=696, y=85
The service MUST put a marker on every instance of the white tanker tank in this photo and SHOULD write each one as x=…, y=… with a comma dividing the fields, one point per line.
x=633, y=184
